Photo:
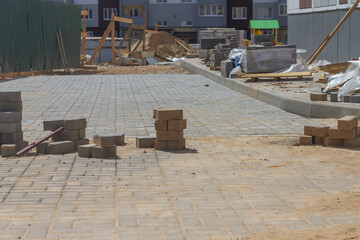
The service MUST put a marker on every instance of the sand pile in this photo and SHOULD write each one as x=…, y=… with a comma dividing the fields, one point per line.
x=167, y=45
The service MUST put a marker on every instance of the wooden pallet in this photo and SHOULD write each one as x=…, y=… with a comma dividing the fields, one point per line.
x=254, y=77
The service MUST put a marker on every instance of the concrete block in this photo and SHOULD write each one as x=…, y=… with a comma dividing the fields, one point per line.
x=21, y=145
x=318, y=96
x=75, y=124
x=65, y=135
x=226, y=67
x=333, y=142
x=169, y=114
x=305, y=140
x=161, y=125
x=85, y=150
x=345, y=98
x=12, y=138
x=348, y=122
x=42, y=147
x=318, y=140
x=8, y=150
x=119, y=139
x=11, y=106
x=101, y=152
x=145, y=142
x=353, y=142
x=53, y=125
x=203, y=53
x=337, y=133
x=334, y=97
x=160, y=145
x=316, y=131
x=355, y=98
x=234, y=75
x=175, y=145
x=11, y=96
x=176, y=125
x=104, y=141
x=9, y=117
x=10, y=127
x=169, y=135
x=154, y=112
x=83, y=141
x=82, y=133
x=62, y=147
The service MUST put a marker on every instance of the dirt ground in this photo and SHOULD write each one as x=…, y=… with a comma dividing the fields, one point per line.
x=345, y=202
x=109, y=69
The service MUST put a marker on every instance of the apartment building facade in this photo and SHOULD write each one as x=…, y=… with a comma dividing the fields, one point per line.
x=239, y=14
x=310, y=21
x=273, y=10
x=182, y=18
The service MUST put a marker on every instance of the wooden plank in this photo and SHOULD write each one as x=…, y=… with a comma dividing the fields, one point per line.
x=136, y=47
x=123, y=20
x=122, y=51
x=151, y=31
x=84, y=12
x=127, y=34
x=101, y=42
x=138, y=27
x=144, y=33
x=113, y=39
x=274, y=75
x=182, y=45
x=156, y=38
x=84, y=34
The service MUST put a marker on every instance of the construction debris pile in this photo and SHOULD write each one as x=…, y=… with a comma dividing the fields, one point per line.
x=66, y=141
x=11, y=134
x=167, y=45
x=346, y=134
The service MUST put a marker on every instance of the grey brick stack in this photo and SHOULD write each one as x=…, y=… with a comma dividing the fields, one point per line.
x=66, y=141
x=169, y=126
x=11, y=134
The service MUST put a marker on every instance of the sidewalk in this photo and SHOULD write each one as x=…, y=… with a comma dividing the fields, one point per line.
x=291, y=101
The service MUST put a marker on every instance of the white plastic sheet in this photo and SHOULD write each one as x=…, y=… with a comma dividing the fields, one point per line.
x=350, y=87
x=341, y=78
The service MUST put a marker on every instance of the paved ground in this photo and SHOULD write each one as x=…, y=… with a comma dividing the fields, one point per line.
x=219, y=188
x=125, y=102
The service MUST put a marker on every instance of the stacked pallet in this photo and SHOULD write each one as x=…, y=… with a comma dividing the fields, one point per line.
x=169, y=126
x=104, y=146
x=346, y=134
x=11, y=135
x=68, y=140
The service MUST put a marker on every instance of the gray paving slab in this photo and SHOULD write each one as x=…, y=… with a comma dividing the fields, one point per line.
x=124, y=103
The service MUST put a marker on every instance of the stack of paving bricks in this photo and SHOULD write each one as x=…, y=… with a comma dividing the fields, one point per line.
x=104, y=146
x=66, y=141
x=169, y=126
x=11, y=135
x=346, y=134
x=221, y=52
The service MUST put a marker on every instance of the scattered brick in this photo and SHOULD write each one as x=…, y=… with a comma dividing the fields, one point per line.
x=145, y=142
x=65, y=135
x=169, y=114
x=176, y=145
x=353, y=142
x=318, y=96
x=169, y=135
x=161, y=125
x=160, y=145
x=85, y=150
x=176, y=125
x=305, y=140
x=316, y=131
x=105, y=141
x=101, y=152
x=62, y=147
x=12, y=138
x=333, y=142
x=10, y=117
x=75, y=124
x=348, y=122
x=53, y=125
x=119, y=139
x=337, y=133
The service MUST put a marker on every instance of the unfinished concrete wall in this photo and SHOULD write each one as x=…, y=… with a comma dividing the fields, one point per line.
x=307, y=31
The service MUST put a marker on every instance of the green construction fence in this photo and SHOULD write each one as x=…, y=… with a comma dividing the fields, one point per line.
x=28, y=35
